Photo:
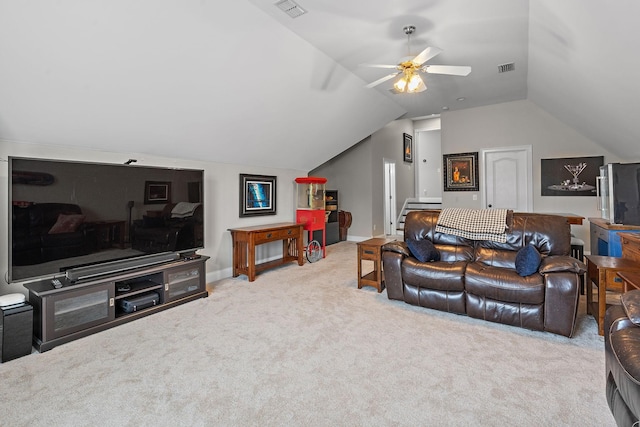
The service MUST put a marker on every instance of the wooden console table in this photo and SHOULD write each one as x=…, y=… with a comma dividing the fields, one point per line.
x=246, y=239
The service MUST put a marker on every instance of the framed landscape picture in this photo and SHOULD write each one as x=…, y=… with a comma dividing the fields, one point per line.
x=257, y=195
x=461, y=172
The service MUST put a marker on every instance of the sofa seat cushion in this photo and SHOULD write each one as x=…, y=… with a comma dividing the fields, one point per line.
x=503, y=284
x=445, y=276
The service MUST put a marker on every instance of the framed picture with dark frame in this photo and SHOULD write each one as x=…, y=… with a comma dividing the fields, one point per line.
x=570, y=176
x=461, y=172
x=156, y=192
x=257, y=195
x=407, y=147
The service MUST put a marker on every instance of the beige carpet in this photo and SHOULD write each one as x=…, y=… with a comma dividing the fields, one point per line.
x=302, y=346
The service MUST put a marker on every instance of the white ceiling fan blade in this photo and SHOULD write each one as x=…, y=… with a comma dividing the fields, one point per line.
x=454, y=70
x=378, y=65
x=426, y=55
x=382, y=80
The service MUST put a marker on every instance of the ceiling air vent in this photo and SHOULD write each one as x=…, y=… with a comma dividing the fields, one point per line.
x=291, y=8
x=506, y=67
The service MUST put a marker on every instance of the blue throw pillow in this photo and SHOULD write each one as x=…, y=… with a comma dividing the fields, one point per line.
x=423, y=250
x=528, y=260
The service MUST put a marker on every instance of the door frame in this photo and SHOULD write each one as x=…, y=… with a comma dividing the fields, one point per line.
x=527, y=149
x=389, y=196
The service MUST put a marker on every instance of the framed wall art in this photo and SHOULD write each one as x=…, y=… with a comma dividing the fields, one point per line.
x=570, y=176
x=461, y=172
x=257, y=195
x=407, y=147
x=156, y=192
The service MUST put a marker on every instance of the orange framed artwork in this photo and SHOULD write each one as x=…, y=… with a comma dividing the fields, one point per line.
x=407, y=147
x=460, y=172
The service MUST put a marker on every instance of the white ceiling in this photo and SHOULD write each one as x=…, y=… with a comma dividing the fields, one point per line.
x=241, y=82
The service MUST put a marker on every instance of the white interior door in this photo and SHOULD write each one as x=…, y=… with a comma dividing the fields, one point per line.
x=389, y=197
x=508, y=178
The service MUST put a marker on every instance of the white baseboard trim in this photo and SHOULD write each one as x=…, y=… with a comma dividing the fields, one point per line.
x=362, y=239
x=214, y=276
x=357, y=238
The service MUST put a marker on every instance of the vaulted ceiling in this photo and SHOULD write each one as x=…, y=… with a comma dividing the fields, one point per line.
x=242, y=82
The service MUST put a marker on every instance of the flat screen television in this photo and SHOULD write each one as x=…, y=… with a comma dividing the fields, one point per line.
x=68, y=215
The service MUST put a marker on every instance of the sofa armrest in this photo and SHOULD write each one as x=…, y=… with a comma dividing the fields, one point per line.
x=558, y=263
x=631, y=303
x=397, y=247
x=392, y=266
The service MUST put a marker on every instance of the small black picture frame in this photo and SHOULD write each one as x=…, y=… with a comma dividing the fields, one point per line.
x=407, y=147
x=461, y=172
x=157, y=192
x=257, y=195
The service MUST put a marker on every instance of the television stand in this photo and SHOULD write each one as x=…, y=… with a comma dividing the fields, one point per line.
x=65, y=311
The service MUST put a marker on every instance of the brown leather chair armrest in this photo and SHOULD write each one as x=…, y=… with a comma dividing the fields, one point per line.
x=631, y=303
x=556, y=263
x=397, y=247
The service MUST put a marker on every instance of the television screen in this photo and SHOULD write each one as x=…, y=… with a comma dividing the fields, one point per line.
x=66, y=215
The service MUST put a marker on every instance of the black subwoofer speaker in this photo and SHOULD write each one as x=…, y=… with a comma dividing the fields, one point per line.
x=16, y=330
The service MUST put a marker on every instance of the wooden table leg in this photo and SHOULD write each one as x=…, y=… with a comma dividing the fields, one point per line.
x=251, y=262
x=602, y=298
x=359, y=267
x=589, y=287
x=379, y=278
x=236, y=258
x=300, y=249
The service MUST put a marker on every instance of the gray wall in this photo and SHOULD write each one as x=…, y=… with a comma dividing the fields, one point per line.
x=510, y=124
x=221, y=200
x=515, y=124
x=358, y=175
x=350, y=174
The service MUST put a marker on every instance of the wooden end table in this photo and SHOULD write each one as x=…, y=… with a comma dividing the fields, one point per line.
x=602, y=271
x=108, y=232
x=371, y=250
x=630, y=280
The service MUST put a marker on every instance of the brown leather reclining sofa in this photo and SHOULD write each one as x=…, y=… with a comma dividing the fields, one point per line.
x=622, y=359
x=478, y=277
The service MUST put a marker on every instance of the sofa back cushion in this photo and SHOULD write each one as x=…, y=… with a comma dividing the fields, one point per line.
x=549, y=234
x=42, y=216
x=422, y=225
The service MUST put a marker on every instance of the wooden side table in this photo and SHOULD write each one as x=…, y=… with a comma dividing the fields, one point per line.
x=602, y=271
x=108, y=232
x=630, y=280
x=371, y=250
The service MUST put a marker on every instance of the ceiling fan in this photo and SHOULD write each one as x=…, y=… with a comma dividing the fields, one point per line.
x=410, y=68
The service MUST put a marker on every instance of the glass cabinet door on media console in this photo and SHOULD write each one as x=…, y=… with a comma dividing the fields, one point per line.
x=181, y=281
x=79, y=309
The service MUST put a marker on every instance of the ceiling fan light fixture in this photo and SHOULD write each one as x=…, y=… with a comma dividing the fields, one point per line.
x=401, y=84
x=415, y=84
